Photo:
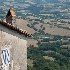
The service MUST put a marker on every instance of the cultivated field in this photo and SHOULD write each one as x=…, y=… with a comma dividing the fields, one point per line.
x=54, y=30
x=22, y=24
x=32, y=42
x=57, y=31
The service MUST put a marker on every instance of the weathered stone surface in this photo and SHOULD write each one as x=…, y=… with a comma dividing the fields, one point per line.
x=18, y=48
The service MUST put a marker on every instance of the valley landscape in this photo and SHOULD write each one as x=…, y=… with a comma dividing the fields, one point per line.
x=49, y=23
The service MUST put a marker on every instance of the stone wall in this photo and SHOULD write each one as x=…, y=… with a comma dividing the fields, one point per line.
x=18, y=48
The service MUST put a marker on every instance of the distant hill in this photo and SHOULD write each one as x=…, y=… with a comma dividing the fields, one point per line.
x=50, y=1
x=40, y=1
x=36, y=1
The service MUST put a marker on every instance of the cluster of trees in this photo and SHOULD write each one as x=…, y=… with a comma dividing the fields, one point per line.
x=58, y=37
x=67, y=28
x=61, y=62
x=32, y=26
x=61, y=55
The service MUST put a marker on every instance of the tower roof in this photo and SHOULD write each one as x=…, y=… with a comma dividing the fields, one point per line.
x=11, y=12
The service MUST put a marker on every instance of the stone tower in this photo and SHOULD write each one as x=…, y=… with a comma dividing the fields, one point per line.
x=18, y=49
x=14, y=38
